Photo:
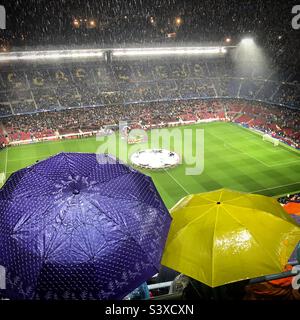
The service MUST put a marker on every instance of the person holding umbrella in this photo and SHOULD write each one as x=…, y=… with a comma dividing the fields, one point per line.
x=223, y=237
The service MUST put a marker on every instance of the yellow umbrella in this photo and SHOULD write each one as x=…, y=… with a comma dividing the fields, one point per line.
x=226, y=236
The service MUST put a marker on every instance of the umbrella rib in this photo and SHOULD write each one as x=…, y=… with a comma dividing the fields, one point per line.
x=239, y=222
x=220, y=198
x=50, y=246
x=65, y=155
x=90, y=172
x=213, y=248
x=122, y=198
x=74, y=229
x=25, y=174
x=99, y=209
x=126, y=234
x=191, y=222
x=110, y=179
x=33, y=169
x=110, y=218
x=35, y=172
x=53, y=181
x=200, y=205
x=236, y=198
x=133, y=200
x=290, y=220
x=113, y=178
x=43, y=226
x=88, y=242
x=99, y=182
x=204, y=197
x=50, y=243
x=33, y=213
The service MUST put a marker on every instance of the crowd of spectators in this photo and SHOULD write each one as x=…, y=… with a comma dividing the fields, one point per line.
x=290, y=198
x=272, y=119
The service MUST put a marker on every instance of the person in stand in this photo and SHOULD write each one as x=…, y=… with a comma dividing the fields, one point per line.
x=191, y=289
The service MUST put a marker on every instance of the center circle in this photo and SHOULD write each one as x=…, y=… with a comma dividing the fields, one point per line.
x=155, y=159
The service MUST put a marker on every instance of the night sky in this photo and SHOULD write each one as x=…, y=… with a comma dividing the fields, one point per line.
x=119, y=22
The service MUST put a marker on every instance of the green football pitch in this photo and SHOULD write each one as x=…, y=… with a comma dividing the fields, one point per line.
x=234, y=157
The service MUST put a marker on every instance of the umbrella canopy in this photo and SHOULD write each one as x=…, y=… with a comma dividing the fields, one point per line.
x=80, y=226
x=294, y=255
x=226, y=236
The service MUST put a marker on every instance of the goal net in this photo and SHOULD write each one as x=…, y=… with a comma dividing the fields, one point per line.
x=268, y=138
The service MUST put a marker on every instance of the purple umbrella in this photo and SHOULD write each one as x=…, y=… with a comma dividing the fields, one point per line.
x=80, y=226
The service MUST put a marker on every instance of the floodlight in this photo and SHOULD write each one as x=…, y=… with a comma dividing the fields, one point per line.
x=248, y=41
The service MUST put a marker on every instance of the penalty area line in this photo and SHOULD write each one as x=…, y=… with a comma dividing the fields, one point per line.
x=277, y=187
x=177, y=182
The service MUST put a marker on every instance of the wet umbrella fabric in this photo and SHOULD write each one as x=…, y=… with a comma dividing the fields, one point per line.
x=80, y=226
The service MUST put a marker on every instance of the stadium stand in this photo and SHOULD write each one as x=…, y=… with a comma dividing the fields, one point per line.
x=29, y=88
x=281, y=122
x=38, y=100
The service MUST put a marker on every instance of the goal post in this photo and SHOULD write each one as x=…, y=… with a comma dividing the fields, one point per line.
x=268, y=138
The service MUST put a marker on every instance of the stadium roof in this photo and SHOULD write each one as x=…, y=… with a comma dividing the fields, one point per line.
x=124, y=52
